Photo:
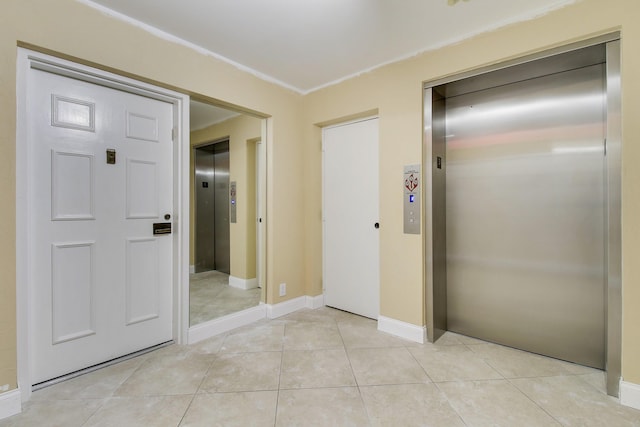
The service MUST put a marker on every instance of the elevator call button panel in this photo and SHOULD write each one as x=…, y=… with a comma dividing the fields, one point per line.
x=411, y=201
x=232, y=200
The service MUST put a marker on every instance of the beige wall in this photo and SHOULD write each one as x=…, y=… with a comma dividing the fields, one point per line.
x=75, y=30
x=243, y=132
x=395, y=90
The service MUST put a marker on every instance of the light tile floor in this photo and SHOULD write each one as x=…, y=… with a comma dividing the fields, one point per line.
x=210, y=297
x=325, y=367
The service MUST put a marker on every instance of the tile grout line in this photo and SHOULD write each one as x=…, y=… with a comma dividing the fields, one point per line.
x=487, y=361
x=355, y=378
x=204, y=377
x=419, y=364
x=105, y=400
x=193, y=397
x=437, y=384
x=284, y=337
x=484, y=360
x=450, y=404
x=532, y=400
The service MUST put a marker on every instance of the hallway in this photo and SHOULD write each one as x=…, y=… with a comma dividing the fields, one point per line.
x=330, y=368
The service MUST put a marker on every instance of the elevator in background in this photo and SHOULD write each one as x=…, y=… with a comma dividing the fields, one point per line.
x=523, y=207
x=212, y=249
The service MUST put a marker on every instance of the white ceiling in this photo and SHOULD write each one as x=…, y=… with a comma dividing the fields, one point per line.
x=308, y=44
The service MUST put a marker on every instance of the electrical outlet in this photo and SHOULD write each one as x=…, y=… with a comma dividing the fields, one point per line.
x=283, y=289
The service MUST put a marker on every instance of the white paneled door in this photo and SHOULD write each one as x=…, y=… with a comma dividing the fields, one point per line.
x=350, y=212
x=100, y=176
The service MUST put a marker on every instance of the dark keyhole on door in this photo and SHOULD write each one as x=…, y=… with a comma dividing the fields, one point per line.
x=167, y=217
x=376, y=225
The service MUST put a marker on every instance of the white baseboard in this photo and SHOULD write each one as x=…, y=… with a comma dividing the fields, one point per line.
x=401, y=329
x=630, y=394
x=226, y=323
x=236, y=282
x=10, y=403
x=315, y=302
x=287, y=307
x=192, y=269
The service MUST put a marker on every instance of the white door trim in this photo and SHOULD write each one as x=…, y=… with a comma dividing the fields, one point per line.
x=29, y=59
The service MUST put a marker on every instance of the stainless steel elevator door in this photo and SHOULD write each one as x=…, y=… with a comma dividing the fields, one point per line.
x=212, y=246
x=525, y=215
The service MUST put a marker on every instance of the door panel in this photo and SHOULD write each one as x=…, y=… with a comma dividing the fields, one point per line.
x=72, y=186
x=72, y=289
x=101, y=282
x=142, y=280
x=350, y=208
x=142, y=191
x=525, y=215
x=140, y=126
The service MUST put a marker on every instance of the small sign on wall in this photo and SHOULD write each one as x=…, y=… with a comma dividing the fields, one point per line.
x=411, y=202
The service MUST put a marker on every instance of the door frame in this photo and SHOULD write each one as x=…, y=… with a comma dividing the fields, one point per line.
x=261, y=182
x=28, y=59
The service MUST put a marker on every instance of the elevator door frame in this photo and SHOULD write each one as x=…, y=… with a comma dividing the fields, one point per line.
x=435, y=218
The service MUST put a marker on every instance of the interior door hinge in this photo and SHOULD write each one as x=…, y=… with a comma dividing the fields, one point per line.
x=174, y=134
x=605, y=147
